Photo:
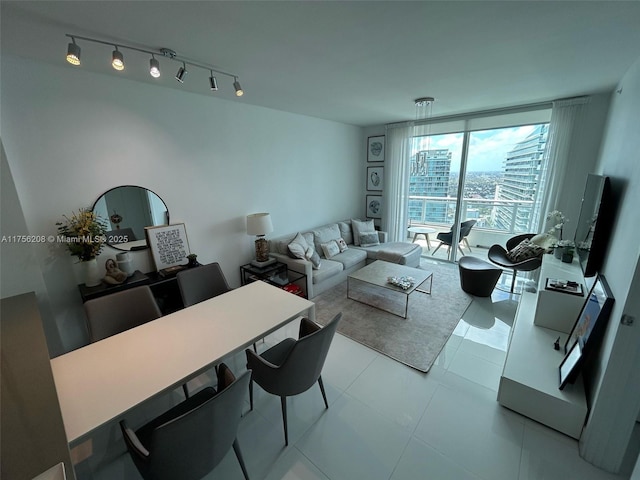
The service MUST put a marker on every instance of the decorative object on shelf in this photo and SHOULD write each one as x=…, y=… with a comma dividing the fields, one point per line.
x=84, y=235
x=114, y=275
x=259, y=224
x=403, y=282
x=564, y=250
x=564, y=286
x=374, y=178
x=117, y=61
x=570, y=365
x=375, y=149
x=193, y=260
x=374, y=206
x=125, y=263
x=557, y=218
x=169, y=247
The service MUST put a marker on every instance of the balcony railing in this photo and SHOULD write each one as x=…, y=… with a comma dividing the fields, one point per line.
x=500, y=216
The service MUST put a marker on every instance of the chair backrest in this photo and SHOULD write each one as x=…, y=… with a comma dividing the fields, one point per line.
x=465, y=228
x=191, y=445
x=120, y=311
x=201, y=283
x=303, y=365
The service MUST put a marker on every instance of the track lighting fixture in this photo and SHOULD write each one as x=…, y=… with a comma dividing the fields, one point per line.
x=182, y=72
x=73, y=53
x=213, y=82
x=236, y=85
x=154, y=67
x=117, y=61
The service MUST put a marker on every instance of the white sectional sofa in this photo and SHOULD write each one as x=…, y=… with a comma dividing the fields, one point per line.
x=335, y=269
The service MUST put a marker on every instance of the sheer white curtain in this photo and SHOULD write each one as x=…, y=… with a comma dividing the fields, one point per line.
x=565, y=114
x=399, y=138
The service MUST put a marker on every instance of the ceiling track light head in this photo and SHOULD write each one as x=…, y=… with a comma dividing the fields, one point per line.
x=182, y=72
x=238, y=88
x=422, y=101
x=117, y=60
x=73, y=52
x=154, y=67
x=213, y=83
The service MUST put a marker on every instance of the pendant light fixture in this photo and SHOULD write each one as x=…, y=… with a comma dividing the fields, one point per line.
x=117, y=61
x=424, y=109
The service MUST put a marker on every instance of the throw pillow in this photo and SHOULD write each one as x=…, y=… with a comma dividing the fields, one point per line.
x=298, y=246
x=368, y=239
x=314, y=258
x=524, y=251
x=345, y=231
x=325, y=234
x=544, y=240
x=330, y=249
x=359, y=227
x=342, y=244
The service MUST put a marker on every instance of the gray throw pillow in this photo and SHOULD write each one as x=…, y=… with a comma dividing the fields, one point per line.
x=368, y=239
x=298, y=247
x=360, y=227
x=524, y=251
x=330, y=248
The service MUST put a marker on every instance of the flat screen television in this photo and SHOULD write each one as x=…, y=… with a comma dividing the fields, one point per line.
x=594, y=224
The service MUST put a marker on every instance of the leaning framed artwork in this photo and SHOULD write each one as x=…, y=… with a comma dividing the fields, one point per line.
x=169, y=246
x=374, y=206
x=375, y=149
x=374, y=178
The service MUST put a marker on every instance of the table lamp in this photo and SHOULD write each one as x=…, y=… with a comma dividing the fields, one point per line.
x=259, y=224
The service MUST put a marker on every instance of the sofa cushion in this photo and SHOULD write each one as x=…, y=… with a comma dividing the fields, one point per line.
x=369, y=239
x=345, y=231
x=350, y=257
x=330, y=248
x=300, y=248
x=325, y=234
x=358, y=227
x=328, y=268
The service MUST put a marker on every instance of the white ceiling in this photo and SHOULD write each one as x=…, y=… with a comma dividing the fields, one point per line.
x=356, y=62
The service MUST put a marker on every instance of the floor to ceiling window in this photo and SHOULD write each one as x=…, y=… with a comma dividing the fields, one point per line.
x=460, y=171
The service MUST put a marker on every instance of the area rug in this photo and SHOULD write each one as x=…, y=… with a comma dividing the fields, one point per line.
x=415, y=341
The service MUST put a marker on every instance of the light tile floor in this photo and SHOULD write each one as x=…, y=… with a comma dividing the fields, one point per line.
x=387, y=421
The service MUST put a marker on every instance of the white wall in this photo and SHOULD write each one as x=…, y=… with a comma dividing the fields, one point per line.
x=617, y=383
x=70, y=135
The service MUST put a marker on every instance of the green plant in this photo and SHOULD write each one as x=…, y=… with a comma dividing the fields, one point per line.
x=83, y=233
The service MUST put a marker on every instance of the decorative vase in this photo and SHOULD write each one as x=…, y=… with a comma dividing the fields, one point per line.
x=558, y=252
x=92, y=275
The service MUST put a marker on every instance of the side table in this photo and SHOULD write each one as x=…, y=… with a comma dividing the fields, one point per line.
x=276, y=274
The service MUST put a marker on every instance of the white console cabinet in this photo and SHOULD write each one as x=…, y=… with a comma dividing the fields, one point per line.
x=530, y=378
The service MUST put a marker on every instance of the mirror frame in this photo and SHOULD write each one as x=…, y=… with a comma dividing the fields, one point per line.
x=136, y=247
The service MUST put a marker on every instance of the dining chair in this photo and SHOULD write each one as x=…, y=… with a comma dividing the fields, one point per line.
x=189, y=440
x=293, y=366
x=201, y=283
x=446, y=238
x=120, y=311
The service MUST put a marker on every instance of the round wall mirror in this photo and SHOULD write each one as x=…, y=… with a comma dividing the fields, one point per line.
x=128, y=209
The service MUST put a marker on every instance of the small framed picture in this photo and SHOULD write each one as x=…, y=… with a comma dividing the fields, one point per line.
x=374, y=206
x=570, y=365
x=375, y=149
x=374, y=178
x=169, y=245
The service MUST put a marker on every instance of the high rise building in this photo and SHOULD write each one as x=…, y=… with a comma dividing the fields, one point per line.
x=429, y=177
x=521, y=175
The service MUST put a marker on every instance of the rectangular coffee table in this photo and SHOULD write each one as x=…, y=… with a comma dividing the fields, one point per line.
x=370, y=285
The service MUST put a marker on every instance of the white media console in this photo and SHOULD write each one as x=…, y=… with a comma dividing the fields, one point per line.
x=530, y=379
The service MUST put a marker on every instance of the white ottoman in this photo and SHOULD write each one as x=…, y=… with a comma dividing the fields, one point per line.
x=402, y=253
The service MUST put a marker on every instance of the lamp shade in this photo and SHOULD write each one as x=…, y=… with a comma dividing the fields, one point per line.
x=259, y=224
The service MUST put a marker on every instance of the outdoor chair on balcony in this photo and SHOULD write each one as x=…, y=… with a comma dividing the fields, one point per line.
x=446, y=238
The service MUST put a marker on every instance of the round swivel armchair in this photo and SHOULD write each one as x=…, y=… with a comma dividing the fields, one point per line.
x=498, y=255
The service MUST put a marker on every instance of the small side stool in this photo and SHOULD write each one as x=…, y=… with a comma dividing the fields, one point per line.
x=478, y=277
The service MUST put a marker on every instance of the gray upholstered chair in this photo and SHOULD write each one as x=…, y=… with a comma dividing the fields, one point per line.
x=189, y=440
x=201, y=283
x=120, y=311
x=498, y=255
x=446, y=238
x=293, y=366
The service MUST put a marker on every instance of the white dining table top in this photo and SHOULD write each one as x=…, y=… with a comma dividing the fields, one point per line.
x=103, y=380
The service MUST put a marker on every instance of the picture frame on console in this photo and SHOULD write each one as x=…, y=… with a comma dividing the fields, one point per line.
x=375, y=148
x=568, y=368
x=169, y=247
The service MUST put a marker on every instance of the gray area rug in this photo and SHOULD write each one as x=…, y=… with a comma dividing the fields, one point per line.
x=415, y=341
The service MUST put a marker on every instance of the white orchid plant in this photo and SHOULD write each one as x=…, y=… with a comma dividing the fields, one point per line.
x=557, y=218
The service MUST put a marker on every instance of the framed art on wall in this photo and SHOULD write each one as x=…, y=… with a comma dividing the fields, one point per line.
x=374, y=178
x=374, y=206
x=375, y=149
x=169, y=246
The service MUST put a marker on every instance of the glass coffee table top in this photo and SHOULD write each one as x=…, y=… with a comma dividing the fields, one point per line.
x=378, y=273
